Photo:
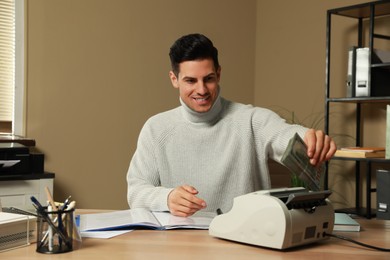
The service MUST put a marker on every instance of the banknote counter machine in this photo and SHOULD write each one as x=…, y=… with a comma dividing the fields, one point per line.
x=276, y=218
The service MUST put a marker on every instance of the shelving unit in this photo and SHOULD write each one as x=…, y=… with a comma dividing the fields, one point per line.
x=361, y=13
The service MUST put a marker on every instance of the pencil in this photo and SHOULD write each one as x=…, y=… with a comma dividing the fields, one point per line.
x=50, y=198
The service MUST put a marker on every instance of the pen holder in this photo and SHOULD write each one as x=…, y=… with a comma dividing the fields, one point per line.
x=55, y=231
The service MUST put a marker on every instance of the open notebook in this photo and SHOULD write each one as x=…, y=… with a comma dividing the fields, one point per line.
x=142, y=218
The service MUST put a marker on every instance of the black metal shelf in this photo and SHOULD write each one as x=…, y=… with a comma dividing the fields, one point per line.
x=367, y=11
x=381, y=65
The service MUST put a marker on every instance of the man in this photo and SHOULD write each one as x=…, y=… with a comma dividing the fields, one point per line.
x=202, y=154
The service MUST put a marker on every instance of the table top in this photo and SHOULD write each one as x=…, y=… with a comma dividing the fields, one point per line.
x=198, y=244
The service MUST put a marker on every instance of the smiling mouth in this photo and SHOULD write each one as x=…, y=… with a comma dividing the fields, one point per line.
x=201, y=99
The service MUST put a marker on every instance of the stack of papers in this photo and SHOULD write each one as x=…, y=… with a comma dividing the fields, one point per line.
x=16, y=230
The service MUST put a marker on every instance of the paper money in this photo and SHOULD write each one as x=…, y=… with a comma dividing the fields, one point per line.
x=296, y=160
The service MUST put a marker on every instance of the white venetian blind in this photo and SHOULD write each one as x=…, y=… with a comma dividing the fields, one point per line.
x=7, y=59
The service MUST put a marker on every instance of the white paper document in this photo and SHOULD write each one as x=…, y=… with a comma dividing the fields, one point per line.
x=103, y=234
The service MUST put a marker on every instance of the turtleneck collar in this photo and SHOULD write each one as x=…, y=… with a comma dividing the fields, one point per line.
x=205, y=117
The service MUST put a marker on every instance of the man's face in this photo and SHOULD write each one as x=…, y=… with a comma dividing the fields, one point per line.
x=198, y=84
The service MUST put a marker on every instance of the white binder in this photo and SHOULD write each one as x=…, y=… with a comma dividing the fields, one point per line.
x=372, y=81
x=362, y=81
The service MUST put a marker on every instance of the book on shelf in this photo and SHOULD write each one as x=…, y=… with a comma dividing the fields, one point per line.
x=142, y=218
x=361, y=152
x=343, y=222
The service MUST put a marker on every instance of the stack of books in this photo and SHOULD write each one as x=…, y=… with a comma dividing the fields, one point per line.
x=361, y=152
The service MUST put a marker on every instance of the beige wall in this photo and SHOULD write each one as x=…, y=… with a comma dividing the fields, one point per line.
x=96, y=70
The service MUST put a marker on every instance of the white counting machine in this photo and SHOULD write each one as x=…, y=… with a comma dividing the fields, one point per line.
x=277, y=218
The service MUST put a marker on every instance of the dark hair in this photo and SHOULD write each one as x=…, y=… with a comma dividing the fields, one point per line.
x=192, y=47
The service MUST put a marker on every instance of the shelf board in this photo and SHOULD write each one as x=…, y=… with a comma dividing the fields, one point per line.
x=6, y=138
x=381, y=36
x=381, y=65
x=382, y=8
x=378, y=160
x=360, y=100
x=30, y=176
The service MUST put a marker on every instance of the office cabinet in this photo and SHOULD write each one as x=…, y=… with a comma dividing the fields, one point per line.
x=365, y=17
x=16, y=190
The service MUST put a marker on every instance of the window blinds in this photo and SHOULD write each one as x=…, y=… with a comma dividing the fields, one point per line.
x=7, y=59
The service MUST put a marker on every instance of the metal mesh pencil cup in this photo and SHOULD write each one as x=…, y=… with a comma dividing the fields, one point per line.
x=55, y=231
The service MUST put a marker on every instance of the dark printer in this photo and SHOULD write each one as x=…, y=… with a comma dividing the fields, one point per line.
x=16, y=159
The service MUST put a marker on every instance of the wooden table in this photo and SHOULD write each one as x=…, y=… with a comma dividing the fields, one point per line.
x=197, y=244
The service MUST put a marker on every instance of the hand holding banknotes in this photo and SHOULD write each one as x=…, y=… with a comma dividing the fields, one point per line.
x=320, y=147
x=304, y=158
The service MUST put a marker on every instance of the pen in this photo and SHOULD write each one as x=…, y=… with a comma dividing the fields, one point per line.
x=50, y=231
x=60, y=216
x=36, y=204
x=66, y=203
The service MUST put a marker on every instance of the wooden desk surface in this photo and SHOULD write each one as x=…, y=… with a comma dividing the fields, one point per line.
x=197, y=244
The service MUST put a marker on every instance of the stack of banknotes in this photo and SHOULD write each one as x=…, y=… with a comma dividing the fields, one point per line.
x=296, y=160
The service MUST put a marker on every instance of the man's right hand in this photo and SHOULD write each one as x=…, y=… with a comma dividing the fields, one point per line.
x=183, y=202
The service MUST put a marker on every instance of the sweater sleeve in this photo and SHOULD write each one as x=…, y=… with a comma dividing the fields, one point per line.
x=144, y=189
x=274, y=132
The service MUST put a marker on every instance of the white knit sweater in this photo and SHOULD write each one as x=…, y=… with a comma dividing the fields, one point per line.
x=222, y=153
